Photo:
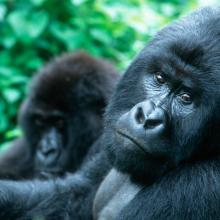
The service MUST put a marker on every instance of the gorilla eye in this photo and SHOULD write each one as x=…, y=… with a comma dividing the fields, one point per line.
x=60, y=123
x=159, y=78
x=186, y=98
x=38, y=121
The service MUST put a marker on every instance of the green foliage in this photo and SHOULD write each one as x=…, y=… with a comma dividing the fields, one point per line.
x=34, y=31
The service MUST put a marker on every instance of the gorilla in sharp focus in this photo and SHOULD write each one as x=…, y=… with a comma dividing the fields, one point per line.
x=162, y=147
x=61, y=117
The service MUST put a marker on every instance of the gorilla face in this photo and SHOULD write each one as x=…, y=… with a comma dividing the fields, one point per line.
x=163, y=110
x=57, y=137
x=46, y=130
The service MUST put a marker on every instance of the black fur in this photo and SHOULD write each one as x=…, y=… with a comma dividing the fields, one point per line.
x=67, y=98
x=175, y=80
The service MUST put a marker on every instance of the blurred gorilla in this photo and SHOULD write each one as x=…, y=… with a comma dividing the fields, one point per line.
x=61, y=117
x=162, y=158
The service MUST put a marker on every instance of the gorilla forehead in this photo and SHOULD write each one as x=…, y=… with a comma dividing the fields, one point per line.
x=57, y=84
x=190, y=47
x=55, y=89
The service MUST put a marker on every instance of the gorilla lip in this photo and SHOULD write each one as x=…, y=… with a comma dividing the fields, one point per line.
x=121, y=133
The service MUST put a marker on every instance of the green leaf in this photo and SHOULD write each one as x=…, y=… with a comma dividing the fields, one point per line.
x=70, y=37
x=2, y=11
x=11, y=95
x=28, y=25
x=101, y=35
x=3, y=119
x=37, y=2
x=14, y=133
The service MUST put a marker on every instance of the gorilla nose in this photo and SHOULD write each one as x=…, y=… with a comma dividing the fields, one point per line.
x=144, y=125
x=48, y=150
x=149, y=115
x=47, y=154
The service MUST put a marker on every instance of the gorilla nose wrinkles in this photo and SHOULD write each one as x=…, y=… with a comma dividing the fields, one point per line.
x=143, y=109
x=149, y=115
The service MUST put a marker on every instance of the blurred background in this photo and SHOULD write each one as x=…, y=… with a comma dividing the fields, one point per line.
x=34, y=31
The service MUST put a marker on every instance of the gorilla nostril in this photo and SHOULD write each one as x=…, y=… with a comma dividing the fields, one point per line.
x=139, y=116
x=48, y=152
x=152, y=123
x=52, y=151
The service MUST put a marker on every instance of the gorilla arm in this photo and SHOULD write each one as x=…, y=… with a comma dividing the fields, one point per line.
x=15, y=162
x=70, y=197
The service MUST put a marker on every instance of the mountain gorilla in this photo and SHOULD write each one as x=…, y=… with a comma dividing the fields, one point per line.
x=61, y=117
x=161, y=139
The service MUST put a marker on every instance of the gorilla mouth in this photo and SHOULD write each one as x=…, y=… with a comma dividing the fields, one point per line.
x=123, y=134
